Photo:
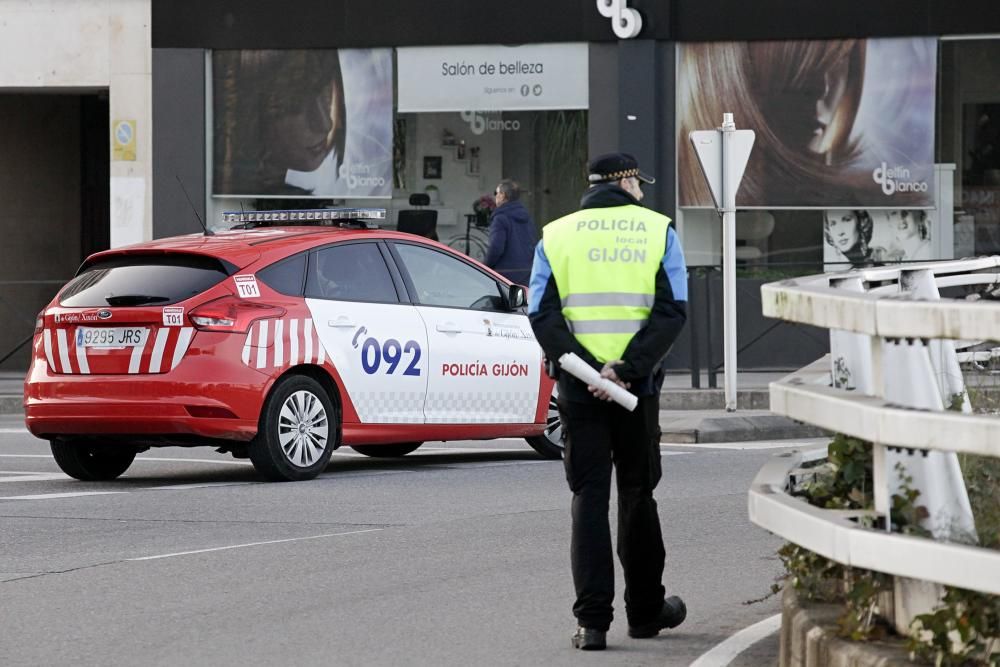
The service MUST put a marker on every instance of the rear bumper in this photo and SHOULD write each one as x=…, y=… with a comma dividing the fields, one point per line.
x=133, y=420
x=230, y=394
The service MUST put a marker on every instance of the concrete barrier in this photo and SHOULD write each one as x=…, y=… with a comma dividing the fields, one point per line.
x=809, y=639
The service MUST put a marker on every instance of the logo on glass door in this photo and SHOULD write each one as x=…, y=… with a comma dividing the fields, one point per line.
x=483, y=121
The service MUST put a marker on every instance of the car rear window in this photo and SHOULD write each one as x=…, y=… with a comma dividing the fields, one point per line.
x=350, y=272
x=137, y=280
x=285, y=276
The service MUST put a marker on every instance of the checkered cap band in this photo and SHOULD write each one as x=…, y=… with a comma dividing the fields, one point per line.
x=615, y=175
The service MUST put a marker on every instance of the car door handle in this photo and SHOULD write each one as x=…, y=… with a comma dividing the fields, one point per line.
x=448, y=327
x=340, y=322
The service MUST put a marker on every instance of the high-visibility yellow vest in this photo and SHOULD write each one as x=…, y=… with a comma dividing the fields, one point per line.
x=604, y=261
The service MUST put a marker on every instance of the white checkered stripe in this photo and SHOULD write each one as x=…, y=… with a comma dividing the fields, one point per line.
x=481, y=407
x=396, y=407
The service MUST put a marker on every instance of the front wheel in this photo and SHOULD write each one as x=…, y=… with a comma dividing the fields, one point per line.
x=298, y=431
x=387, y=451
x=89, y=461
x=550, y=443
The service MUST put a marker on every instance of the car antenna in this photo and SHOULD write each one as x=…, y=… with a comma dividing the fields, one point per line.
x=208, y=232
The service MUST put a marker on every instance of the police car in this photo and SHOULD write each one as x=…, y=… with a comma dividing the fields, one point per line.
x=282, y=339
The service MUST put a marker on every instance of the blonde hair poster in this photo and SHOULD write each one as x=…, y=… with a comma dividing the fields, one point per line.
x=839, y=123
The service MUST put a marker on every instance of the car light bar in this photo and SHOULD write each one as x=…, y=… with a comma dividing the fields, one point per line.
x=366, y=217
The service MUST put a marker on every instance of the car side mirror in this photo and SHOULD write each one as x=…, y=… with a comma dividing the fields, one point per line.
x=517, y=297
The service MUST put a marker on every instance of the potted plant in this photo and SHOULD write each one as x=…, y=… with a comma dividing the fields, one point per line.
x=483, y=207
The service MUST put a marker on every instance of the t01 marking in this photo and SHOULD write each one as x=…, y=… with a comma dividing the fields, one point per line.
x=246, y=287
x=173, y=316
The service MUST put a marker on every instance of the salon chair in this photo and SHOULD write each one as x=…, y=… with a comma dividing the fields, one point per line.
x=419, y=221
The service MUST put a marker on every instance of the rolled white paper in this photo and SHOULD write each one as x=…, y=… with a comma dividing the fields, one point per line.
x=581, y=370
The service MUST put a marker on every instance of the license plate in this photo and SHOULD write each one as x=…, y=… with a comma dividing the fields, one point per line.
x=111, y=337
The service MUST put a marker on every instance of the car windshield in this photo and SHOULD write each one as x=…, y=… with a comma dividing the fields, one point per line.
x=142, y=281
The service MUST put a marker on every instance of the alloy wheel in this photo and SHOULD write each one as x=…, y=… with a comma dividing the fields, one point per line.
x=303, y=428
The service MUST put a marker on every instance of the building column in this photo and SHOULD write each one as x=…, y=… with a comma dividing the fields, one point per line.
x=130, y=99
x=632, y=109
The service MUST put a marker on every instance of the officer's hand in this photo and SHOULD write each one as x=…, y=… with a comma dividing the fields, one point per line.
x=608, y=372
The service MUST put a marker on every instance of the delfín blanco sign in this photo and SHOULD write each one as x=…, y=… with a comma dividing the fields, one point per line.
x=493, y=78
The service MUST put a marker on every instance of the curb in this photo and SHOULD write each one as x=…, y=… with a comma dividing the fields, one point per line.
x=742, y=429
x=713, y=399
x=809, y=639
x=11, y=405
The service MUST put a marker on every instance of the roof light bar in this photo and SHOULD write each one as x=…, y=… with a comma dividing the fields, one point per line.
x=305, y=215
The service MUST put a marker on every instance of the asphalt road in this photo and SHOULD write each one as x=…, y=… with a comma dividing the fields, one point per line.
x=454, y=555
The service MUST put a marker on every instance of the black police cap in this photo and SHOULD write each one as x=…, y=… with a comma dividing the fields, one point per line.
x=612, y=167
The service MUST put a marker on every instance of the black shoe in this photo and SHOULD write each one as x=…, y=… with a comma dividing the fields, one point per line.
x=588, y=639
x=671, y=615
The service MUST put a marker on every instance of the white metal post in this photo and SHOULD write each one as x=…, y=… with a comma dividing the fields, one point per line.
x=880, y=470
x=723, y=154
x=729, y=185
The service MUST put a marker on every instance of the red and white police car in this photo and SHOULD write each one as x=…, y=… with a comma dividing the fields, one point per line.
x=281, y=340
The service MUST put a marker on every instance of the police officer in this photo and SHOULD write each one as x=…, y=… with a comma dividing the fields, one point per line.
x=609, y=283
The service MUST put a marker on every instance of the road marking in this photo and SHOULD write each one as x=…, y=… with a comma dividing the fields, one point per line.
x=28, y=476
x=53, y=496
x=139, y=459
x=13, y=430
x=170, y=460
x=366, y=473
x=253, y=544
x=425, y=451
x=724, y=653
x=431, y=451
x=202, y=485
x=465, y=466
x=761, y=445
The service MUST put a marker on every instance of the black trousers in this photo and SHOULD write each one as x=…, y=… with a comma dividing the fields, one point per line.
x=597, y=436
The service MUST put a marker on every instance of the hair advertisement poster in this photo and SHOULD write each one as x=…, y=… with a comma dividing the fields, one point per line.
x=865, y=238
x=302, y=123
x=839, y=123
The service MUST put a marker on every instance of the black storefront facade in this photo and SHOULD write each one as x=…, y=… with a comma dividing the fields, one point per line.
x=632, y=105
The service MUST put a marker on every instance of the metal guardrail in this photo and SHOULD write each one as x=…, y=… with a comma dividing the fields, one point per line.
x=835, y=535
x=890, y=314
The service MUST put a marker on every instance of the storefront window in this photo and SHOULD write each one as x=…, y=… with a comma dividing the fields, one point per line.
x=969, y=137
x=457, y=159
x=469, y=116
x=427, y=133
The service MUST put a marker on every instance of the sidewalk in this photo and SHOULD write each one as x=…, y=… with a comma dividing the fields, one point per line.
x=11, y=393
x=698, y=415
x=687, y=415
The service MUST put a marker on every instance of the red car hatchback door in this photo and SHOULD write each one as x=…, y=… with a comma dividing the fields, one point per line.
x=118, y=316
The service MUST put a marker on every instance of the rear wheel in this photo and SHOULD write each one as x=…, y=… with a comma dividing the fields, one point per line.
x=394, y=450
x=550, y=443
x=90, y=461
x=298, y=431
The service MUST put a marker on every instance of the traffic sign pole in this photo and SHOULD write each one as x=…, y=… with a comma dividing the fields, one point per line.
x=729, y=185
x=723, y=155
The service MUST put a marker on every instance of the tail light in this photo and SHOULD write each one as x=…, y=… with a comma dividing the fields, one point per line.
x=39, y=322
x=231, y=314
